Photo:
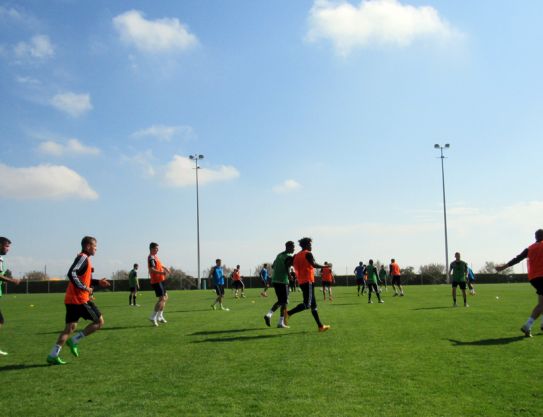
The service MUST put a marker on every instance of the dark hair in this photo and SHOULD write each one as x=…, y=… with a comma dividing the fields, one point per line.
x=136, y=265
x=153, y=245
x=539, y=234
x=289, y=243
x=370, y=261
x=217, y=260
x=305, y=241
x=87, y=240
x=4, y=240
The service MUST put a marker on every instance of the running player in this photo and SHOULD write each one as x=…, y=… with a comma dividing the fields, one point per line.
x=359, y=273
x=237, y=283
x=5, y=244
x=78, y=302
x=292, y=279
x=158, y=274
x=459, y=271
x=471, y=280
x=383, y=276
x=218, y=279
x=373, y=277
x=133, y=286
x=280, y=275
x=264, y=276
x=327, y=280
x=304, y=265
x=395, y=273
x=534, y=253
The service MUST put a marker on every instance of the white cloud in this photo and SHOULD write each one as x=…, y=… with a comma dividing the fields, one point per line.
x=161, y=35
x=27, y=80
x=73, y=104
x=286, y=186
x=71, y=147
x=143, y=161
x=39, y=47
x=180, y=173
x=43, y=182
x=381, y=22
x=164, y=133
x=10, y=13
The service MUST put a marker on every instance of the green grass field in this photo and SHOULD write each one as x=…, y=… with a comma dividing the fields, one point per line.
x=412, y=356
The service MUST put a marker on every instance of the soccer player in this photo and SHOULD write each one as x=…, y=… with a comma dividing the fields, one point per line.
x=237, y=283
x=373, y=277
x=459, y=271
x=359, y=272
x=217, y=274
x=5, y=244
x=383, y=276
x=264, y=276
x=534, y=253
x=471, y=280
x=78, y=302
x=395, y=273
x=158, y=274
x=304, y=265
x=327, y=280
x=133, y=286
x=280, y=275
x=292, y=279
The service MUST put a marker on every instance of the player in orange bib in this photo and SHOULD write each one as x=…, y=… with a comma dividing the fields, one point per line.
x=534, y=253
x=327, y=280
x=237, y=283
x=157, y=274
x=304, y=265
x=78, y=302
x=395, y=273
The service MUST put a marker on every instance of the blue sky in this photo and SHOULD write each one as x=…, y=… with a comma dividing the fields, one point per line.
x=316, y=118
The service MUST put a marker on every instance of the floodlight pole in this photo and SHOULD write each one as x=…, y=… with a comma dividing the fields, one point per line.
x=196, y=158
x=447, y=269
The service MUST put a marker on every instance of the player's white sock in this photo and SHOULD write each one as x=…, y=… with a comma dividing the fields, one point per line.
x=160, y=315
x=154, y=316
x=529, y=323
x=77, y=337
x=55, y=351
x=281, y=321
x=270, y=313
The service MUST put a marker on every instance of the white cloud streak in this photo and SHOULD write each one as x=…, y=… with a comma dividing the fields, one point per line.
x=180, y=173
x=71, y=147
x=375, y=22
x=154, y=36
x=286, y=186
x=143, y=161
x=43, y=182
x=39, y=47
x=71, y=103
x=164, y=133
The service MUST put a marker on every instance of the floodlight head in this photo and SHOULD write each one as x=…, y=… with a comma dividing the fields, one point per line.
x=447, y=145
x=191, y=156
x=201, y=156
x=436, y=146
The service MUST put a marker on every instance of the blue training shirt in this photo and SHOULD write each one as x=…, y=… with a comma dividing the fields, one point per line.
x=218, y=275
x=360, y=270
x=264, y=274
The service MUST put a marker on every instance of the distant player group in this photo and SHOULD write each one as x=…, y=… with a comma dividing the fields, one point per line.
x=79, y=303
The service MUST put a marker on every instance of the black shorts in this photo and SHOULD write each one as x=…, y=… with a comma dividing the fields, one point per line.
x=237, y=285
x=281, y=291
x=219, y=289
x=360, y=281
x=87, y=311
x=537, y=283
x=133, y=289
x=308, y=292
x=462, y=285
x=160, y=291
x=327, y=284
x=396, y=280
x=1, y=318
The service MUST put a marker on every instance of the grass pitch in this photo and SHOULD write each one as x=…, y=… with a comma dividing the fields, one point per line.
x=412, y=356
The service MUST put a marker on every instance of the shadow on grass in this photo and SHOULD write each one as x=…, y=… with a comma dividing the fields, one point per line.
x=243, y=338
x=210, y=332
x=187, y=311
x=102, y=329
x=432, y=308
x=488, y=342
x=20, y=367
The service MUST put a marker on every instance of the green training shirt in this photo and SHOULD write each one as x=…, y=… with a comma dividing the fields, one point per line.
x=372, y=274
x=280, y=266
x=459, y=271
x=133, y=279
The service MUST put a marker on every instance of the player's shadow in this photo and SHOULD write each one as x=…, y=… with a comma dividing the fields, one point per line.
x=187, y=311
x=241, y=338
x=102, y=329
x=488, y=342
x=432, y=308
x=21, y=366
x=210, y=332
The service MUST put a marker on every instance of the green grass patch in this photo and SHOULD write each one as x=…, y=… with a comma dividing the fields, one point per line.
x=412, y=356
